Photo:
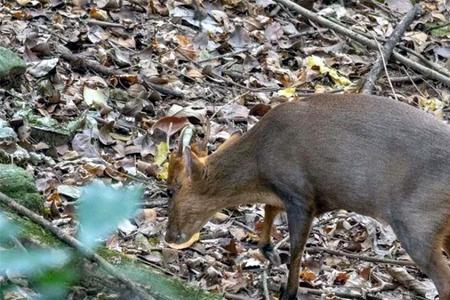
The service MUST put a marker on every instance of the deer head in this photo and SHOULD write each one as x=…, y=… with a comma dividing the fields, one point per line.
x=191, y=192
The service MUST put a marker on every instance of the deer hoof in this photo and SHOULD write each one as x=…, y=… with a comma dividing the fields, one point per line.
x=270, y=254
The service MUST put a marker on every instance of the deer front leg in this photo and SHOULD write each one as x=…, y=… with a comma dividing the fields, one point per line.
x=265, y=243
x=299, y=223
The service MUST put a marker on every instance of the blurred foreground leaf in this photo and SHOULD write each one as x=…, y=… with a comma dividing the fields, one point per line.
x=102, y=208
x=32, y=261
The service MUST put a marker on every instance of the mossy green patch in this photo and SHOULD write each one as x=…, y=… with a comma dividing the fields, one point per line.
x=162, y=287
x=11, y=64
x=17, y=183
x=443, y=31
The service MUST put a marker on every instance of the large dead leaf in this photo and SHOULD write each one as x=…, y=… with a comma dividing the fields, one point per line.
x=170, y=124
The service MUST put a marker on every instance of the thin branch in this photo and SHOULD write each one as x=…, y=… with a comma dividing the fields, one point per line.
x=264, y=282
x=348, y=295
x=412, y=81
x=386, y=53
x=360, y=257
x=91, y=64
x=402, y=276
x=278, y=245
x=365, y=41
x=383, y=60
x=228, y=54
x=74, y=243
x=104, y=23
x=432, y=65
x=236, y=297
x=314, y=250
x=212, y=75
x=405, y=79
x=309, y=32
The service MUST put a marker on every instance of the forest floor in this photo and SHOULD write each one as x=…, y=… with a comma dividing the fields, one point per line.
x=99, y=77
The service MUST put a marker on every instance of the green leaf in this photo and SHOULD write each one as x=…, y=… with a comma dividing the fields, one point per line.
x=318, y=64
x=163, y=172
x=443, y=31
x=287, y=92
x=101, y=208
x=11, y=64
x=53, y=284
x=162, y=150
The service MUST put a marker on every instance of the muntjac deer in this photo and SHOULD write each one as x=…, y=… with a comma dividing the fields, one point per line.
x=176, y=176
x=367, y=154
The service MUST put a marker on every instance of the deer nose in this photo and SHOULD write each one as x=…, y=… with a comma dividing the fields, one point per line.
x=181, y=238
x=176, y=238
x=171, y=237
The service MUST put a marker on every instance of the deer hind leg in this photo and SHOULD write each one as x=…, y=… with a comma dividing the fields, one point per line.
x=424, y=242
x=265, y=243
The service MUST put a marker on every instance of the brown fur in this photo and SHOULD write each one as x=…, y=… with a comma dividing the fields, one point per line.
x=371, y=155
x=177, y=174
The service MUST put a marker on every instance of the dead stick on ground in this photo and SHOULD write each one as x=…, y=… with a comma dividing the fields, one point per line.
x=383, y=61
x=104, y=24
x=402, y=276
x=236, y=297
x=264, y=282
x=365, y=41
x=360, y=257
x=404, y=79
x=348, y=295
x=430, y=64
x=314, y=250
x=385, y=55
x=90, y=64
x=229, y=54
x=412, y=81
x=69, y=240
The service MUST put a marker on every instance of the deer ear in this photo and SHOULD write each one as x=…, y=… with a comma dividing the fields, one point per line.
x=194, y=166
x=176, y=165
x=185, y=139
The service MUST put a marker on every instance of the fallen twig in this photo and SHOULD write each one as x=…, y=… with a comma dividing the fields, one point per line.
x=347, y=295
x=138, y=4
x=360, y=257
x=91, y=64
x=337, y=252
x=313, y=250
x=312, y=31
x=383, y=62
x=228, y=54
x=404, y=278
x=264, y=282
x=432, y=65
x=365, y=41
x=104, y=23
x=404, y=79
x=384, y=8
x=385, y=55
x=74, y=243
x=236, y=297
x=155, y=203
x=412, y=82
